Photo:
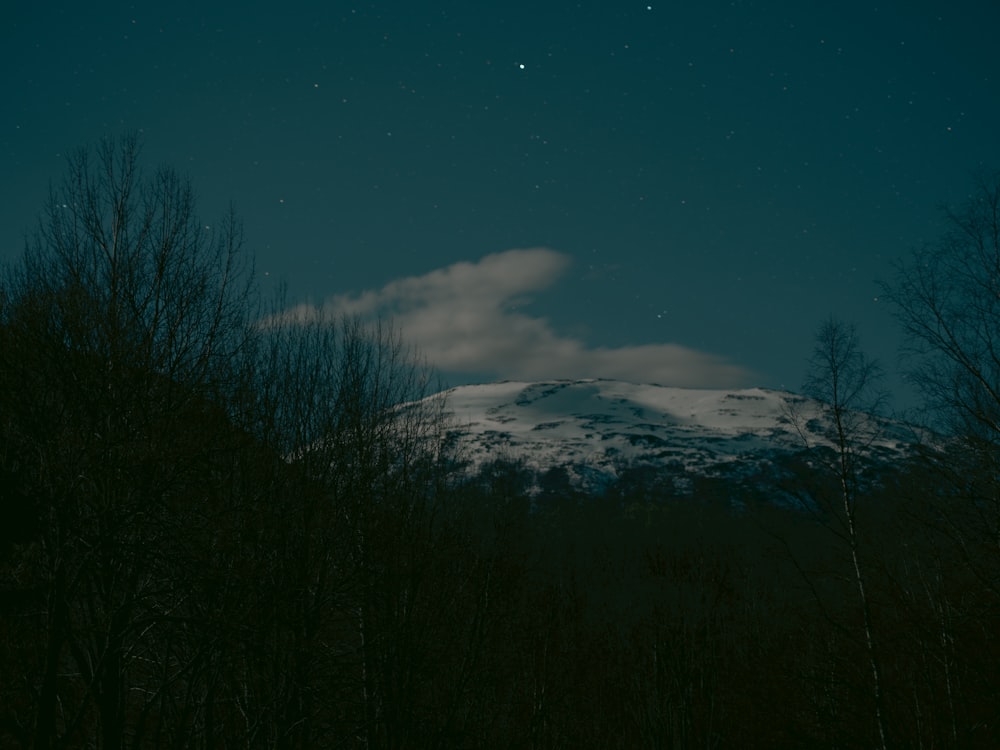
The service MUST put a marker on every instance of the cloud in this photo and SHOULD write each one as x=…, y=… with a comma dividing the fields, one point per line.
x=465, y=319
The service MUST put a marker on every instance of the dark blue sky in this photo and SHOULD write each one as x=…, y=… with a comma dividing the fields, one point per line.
x=711, y=180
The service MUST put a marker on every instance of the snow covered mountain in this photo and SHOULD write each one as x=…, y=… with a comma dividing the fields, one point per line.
x=594, y=428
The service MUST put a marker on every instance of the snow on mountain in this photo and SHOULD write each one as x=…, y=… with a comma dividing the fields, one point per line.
x=598, y=426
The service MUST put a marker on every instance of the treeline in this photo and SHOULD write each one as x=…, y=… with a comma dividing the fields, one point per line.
x=219, y=528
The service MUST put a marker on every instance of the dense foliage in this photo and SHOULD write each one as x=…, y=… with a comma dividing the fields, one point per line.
x=221, y=532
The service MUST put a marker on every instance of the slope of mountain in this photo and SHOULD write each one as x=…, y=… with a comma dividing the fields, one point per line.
x=596, y=427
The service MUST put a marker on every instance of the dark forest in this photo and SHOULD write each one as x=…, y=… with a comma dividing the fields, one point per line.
x=219, y=527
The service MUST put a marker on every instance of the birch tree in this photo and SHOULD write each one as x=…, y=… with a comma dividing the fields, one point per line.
x=845, y=382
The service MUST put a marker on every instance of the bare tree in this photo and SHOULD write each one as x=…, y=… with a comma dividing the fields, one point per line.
x=347, y=402
x=947, y=298
x=124, y=322
x=233, y=528
x=845, y=381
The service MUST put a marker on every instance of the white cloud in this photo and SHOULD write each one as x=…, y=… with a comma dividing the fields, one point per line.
x=464, y=319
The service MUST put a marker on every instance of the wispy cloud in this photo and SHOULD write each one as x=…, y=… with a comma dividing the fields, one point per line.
x=464, y=318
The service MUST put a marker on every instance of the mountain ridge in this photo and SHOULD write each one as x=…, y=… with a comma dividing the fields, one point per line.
x=595, y=427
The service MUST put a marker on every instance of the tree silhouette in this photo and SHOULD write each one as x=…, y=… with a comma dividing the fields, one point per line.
x=845, y=382
x=946, y=297
x=123, y=325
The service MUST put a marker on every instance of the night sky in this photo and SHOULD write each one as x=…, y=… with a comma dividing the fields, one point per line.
x=660, y=192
